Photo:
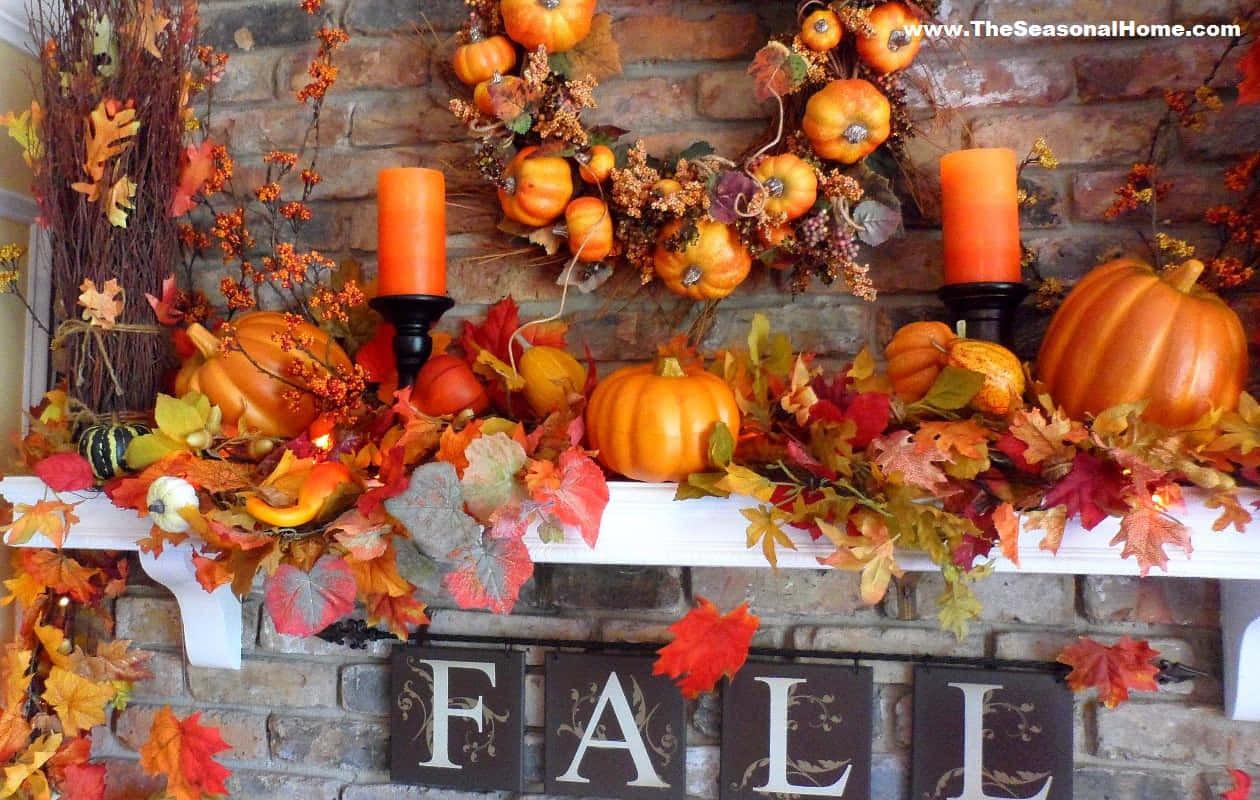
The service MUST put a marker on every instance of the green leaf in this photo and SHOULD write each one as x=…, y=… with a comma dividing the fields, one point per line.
x=953, y=388
x=560, y=64
x=797, y=68
x=177, y=418
x=701, y=484
x=758, y=337
x=521, y=124
x=721, y=445
x=489, y=481
x=551, y=531
x=697, y=150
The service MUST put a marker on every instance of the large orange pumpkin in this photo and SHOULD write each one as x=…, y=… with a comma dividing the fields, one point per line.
x=250, y=386
x=555, y=24
x=847, y=119
x=707, y=268
x=1126, y=334
x=652, y=422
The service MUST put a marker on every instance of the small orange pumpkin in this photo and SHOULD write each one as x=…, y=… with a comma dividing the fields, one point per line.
x=790, y=182
x=847, y=119
x=708, y=267
x=250, y=386
x=590, y=228
x=557, y=25
x=482, y=98
x=891, y=45
x=447, y=385
x=821, y=30
x=478, y=60
x=916, y=355
x=1127, y=334
x=596, y=164
x=535, y=189
x=653, y=422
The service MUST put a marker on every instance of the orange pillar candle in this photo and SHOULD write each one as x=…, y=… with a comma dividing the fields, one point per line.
x=411, y=231
x=980, y=216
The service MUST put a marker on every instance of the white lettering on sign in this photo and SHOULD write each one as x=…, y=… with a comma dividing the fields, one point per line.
x=974, y=695
x=615, y=697
x=777, y=778
x=443, y=711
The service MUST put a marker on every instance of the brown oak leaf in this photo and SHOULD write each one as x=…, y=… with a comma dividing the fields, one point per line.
x=899, y=459
x=1053, y=521
x=1047, y=439
x=963, y=437
x=101, y=306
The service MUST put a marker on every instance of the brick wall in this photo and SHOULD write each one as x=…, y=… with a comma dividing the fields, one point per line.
x=305, y=719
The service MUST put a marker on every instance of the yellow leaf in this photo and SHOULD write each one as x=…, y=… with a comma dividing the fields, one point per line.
x=863, y=365
x=1116, y=420
x=54, y=641
x=764, y=527
x=24, y=129
x=101, y=307
x=15, y=678
x=35, y=757
x=49, y=518
x=79, y=703
x=742, y=480
x=1053, y=521
x=117, y=201
x=597, y=55
x=490, y=365
x=24, y=589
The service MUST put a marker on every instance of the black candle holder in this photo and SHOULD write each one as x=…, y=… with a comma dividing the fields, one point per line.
x=988, y=308
x=411, y=315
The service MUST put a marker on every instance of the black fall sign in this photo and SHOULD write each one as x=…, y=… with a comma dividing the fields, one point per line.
x=613, y=729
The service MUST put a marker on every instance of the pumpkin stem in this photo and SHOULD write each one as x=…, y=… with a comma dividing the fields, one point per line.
x=856, y=133
x=550, y=5
x=1183, y=276
x=206, y=342
x=692, y=275
x=157, y=507
x=669, y=367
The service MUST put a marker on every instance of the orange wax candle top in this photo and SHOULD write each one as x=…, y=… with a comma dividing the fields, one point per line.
x=980, y=216
x=411, y=231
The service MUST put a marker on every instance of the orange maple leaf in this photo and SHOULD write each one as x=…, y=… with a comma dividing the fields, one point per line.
x=706, y=646
x=49, y=518
x=1047, y=438
x=365, y=536
x=962, y=437
x=211, y=573
x=101, y=306
x=79, y=702
x=59, y=572
x=15, y=734
x=380, y=576
x=183, y=751
x=1053, y=521
x=1232, y=512
x=401, y=615
x=116, y=660
x=1112, y=670
x=1006, y=522
x=1145, y=530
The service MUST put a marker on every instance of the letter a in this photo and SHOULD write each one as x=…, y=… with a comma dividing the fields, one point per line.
x=443, y=711
x=613, y=695
x=777, y=779
x=974, y=695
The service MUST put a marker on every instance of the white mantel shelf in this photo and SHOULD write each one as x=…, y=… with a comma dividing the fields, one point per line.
x=644, y=526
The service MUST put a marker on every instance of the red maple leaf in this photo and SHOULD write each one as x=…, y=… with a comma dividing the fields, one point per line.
x=183, y=751
x=490, y=572
x=1249, y=67
x=1112, y=670
x=302, y=603
x=376, y=356
x=65, y=472
x=706, y=646
x=83, y=782
x=581, y=495
x=1091, y=490
x=495, y=334
x=870, y=412
x=164, y=308
x=1145, y=531
x=1242, y=781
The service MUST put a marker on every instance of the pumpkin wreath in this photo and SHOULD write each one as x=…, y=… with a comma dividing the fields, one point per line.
x=800, y=202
